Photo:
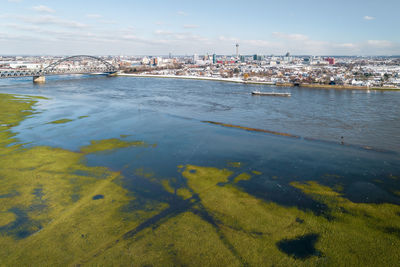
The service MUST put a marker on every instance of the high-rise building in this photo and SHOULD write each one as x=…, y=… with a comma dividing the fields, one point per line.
x=257, y=57
x=237, y=50
x=214, y=57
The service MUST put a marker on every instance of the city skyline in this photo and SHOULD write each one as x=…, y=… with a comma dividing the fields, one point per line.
x=262, y=27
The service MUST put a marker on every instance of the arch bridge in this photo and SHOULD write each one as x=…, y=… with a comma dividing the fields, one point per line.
x=93, y=65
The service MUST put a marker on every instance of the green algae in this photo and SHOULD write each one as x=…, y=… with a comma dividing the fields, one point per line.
x=166, y=184
x=256, y=172
x=13, y=110
x=173, y=187
x=242, y=177
x=51, y=214
x=6, y=218
x=82, y=117
x=256, y=229
x=184, y=240
x=60, y=121
x=48, y=215
x=109, y=145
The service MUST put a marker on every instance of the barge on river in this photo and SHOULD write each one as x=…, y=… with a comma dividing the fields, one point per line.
x=270, y=93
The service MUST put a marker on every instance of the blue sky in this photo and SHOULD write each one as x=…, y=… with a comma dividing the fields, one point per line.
x=352, y=27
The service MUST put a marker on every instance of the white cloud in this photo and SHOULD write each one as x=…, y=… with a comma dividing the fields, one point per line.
x=347, y=45
x=14, y=1
x=43, y=9
x=190, y=26
x=58, y=34
x=230, y=39
x=369, y=18
x=94, y=16
x=261, y=43
x=162, y=32
x=52, y=20
x=380, y=43
x=293, y=36
x=182, y=13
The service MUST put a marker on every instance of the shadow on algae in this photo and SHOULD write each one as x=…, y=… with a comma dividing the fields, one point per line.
x=55, y=210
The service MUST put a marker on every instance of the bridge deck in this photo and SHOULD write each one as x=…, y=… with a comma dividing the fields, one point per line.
x=34, y=73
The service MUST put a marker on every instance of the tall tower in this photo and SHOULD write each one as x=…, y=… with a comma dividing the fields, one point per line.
x=237, y=50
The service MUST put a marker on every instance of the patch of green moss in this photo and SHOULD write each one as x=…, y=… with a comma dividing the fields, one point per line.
x=242, y=177
x=48, y=214
x=256, y=172
x=356, y=227
x=168, y=187
x=256, y=230
x=110, y=144
x=82, y=117
x=6, y=218
x=61, y=121
x=184, y=240
x=184, y=193
x=13, y=110
x=177, y=189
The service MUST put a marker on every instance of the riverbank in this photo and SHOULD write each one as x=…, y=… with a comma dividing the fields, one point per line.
x=339, y=87
x=237, y=80
x=232, y=80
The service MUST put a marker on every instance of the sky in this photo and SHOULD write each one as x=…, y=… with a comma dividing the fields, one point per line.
x=160, y=27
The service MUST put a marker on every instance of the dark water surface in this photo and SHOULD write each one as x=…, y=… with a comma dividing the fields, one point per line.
x=169, y=114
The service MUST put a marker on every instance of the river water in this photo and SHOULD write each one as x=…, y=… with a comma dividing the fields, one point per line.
x=365, y=118
x=351, y=134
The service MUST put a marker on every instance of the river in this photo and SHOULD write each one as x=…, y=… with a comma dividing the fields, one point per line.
x=341, y=153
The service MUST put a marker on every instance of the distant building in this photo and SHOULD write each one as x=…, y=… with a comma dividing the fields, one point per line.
x=331, y=60
x=214, y=58
x=257, y=57
x=307, y=60
x=145, y=61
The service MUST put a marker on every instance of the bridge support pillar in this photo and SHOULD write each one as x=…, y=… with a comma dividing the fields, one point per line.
x=39, y=79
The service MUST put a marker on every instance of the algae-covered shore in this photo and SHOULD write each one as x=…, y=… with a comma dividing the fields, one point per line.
x=56, y=210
